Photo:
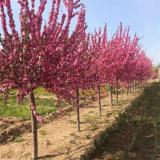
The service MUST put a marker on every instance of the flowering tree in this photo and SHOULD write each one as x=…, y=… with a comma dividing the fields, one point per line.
x=80, y=67
x=50, y=55
x=143, y=68
x=120, y=58
x=155, y=73
x=114, y=57
x=95, y=74
x=26, y=53
x=71, y=66
x=119, y=49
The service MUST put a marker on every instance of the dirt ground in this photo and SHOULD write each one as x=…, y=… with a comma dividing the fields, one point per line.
x=137, y=136
x=60, y=140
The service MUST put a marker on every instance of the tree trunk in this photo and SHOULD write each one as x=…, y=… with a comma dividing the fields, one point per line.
x=111, y=97
x=127, y=90
x=99, y=100
x=135, y=85
x=122, y=92
x=130, y=88
x=34, y=128
x=117, y=91
x=78, y=113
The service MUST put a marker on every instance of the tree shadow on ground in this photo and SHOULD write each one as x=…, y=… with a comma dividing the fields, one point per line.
x=135, y=134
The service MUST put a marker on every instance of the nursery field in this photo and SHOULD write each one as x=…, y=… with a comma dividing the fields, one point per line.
x=70, y=89
x=59, y=138
x=136, y=134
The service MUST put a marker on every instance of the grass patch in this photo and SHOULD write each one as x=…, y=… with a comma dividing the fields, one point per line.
x=42, y=91
x=42, y=132
x=18, y=139
x=37, y=91
x=12, y=109
x=93, y=121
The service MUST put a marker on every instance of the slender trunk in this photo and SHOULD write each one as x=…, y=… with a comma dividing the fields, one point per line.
x=134, y=85
x=117, y=91
x=130, y=88
x=122, y=92
x=34, y=128
x=127, y=90
x=111, y=97
x=78, y=113
x=99, y=100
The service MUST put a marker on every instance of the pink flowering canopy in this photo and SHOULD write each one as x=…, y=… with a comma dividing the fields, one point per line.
x=70, y=66
x=119, y=60
x=47, y=53
x=82, y=68
x=26, y=53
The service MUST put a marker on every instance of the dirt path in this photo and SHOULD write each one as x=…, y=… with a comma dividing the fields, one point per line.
x=59, y=140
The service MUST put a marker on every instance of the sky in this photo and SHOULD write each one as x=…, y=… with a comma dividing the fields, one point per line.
x=143, y=17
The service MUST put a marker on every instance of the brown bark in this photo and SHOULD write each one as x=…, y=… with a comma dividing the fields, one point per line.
x=130, y=87
x=99, y=100
x=78, y=112
x=127, y=90
x=117, y=91
x=34, y=129
x=111, y=97
x=122, y=92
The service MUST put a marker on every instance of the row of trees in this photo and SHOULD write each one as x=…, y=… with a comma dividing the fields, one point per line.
x=64, y=61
